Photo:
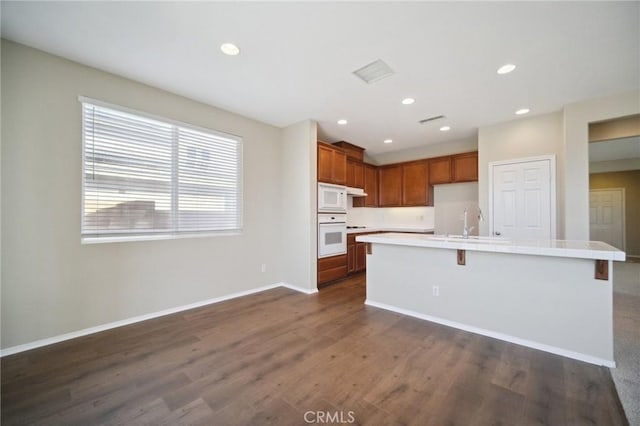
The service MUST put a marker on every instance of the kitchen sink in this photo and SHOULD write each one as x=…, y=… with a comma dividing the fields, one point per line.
x=470, y=239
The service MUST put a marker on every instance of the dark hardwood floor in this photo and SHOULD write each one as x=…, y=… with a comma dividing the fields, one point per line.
x=271, y=357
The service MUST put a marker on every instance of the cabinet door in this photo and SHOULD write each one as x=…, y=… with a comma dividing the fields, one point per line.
x=339, y=168
x=440, y=170
x=351, y=258
x=325, y=164
x=465, y=167
x=371, y=186
x=351, y=176
x=355, y=173
x=361, y=256
x=358, y=175
x=390, y=186
x=415, y=184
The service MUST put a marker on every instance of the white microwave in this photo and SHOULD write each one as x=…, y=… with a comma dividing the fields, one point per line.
x=332, y=198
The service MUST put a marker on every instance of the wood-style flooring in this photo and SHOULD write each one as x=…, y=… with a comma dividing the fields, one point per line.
x=271, y=357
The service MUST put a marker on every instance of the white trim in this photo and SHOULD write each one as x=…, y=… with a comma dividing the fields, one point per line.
x=159, y=236
x=500, y=336
x=552, y=194
x=624, y=213
x=91, y=330
x=300, y=289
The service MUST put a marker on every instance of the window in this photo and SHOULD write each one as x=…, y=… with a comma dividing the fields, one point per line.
x=145, y=177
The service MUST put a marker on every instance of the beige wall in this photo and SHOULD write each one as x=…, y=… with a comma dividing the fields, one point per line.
x=630, y=181
x=51, y=284
x=614, y=129
x=427, y=151
x=575, y=190
x=525, y=137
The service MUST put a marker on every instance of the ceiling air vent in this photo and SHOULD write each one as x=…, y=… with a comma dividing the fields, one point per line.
x=375, y=71
x=434, y=118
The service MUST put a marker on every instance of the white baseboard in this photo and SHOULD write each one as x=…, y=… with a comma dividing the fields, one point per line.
x=91, y=330
x=300, y=289
x=500, y=336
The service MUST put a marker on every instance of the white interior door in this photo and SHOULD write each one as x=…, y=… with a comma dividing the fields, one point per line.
x=606, y=216
x=523, y=199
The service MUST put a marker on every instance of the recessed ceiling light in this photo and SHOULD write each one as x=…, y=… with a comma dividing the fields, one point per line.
x=408, y=101
x=342, y=122
x=230, y=49
x=522, y=111
x=445, y=128
x=387, y=141
x=506, y=69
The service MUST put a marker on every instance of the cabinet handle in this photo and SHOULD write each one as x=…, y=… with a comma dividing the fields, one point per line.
x=497, y=233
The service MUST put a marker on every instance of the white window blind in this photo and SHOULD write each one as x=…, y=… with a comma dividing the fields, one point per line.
x=144, y=176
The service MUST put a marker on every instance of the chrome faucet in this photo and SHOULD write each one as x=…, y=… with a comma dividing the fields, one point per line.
x=467, y=229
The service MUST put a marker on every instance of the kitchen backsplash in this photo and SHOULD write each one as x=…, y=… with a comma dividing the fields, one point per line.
x=391, y=217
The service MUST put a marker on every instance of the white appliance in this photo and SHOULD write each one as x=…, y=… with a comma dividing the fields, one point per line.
x=332, y=234
x=356, y=192
x=332, y=198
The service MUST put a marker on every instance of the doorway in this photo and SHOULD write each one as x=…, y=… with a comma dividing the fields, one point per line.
x=522, y=203
x=606, y=216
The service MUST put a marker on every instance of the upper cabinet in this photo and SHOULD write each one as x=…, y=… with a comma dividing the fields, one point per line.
x=393, y=185
x=415, y=183
x=404, y=184
x=332, y=164
x=454, y=168
x=370, y=186
x=355, y=173
x=390, y=185
x=440, y=170
x=465, y=167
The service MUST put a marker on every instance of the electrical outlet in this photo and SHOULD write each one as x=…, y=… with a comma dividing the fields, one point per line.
x=263, y=267
x=436, y=290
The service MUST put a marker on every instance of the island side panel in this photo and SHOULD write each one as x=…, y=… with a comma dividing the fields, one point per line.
x=551, y=303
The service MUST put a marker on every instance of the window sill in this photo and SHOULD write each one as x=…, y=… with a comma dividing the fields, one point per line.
x=156, y=237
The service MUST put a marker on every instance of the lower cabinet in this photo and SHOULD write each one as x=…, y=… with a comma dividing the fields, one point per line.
x=331, y=269
x=356, y=253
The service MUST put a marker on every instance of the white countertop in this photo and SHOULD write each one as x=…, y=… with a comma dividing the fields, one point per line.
x=388, y=229
x=556, y=248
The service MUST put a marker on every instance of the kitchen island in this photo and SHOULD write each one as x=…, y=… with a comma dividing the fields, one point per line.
x=551, y=295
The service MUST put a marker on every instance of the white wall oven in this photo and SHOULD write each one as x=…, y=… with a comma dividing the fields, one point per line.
x=332, y=198
x=332, y=234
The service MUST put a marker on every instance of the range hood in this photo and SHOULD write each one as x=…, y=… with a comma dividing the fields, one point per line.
x=356, y=192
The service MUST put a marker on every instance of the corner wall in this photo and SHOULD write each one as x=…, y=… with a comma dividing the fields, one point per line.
x=577, y=117
x=298, y=244
x=52, y=284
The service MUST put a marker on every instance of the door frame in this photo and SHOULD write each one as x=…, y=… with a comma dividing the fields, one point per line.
x=552, y=183
x=624, y=214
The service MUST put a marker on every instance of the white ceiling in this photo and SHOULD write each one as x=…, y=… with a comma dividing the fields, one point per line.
x=616, y=149
x=296, y=58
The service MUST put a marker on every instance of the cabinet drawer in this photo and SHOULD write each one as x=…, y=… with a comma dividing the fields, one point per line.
x=332, y=274
x=332, y=262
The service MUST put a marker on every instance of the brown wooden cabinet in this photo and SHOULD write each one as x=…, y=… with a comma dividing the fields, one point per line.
x=440, y=170
x=415, y=183
x=331, y=269
x=390, y=185
x=353, y=151
x=332, y=164
x=356, y=253
x=355, y=173
x=370, y=188
x=465, y=167
x=404, y=184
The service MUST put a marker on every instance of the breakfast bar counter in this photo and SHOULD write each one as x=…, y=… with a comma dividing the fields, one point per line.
x=552, y=295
